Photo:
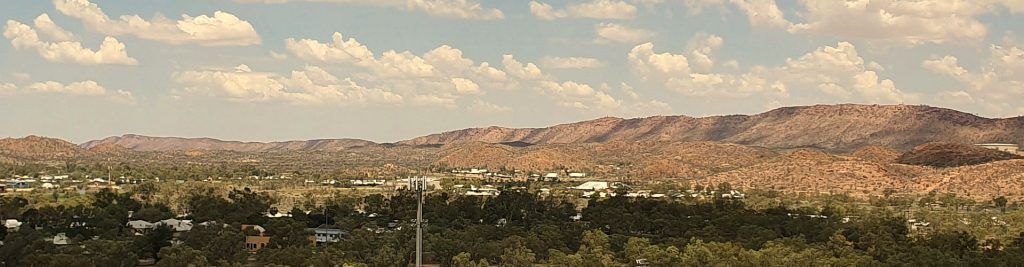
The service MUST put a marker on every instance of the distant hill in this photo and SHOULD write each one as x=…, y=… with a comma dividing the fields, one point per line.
x=953, y=155
x=836, y=128
x=148, y=143
x=844, y=127
x=38, y=147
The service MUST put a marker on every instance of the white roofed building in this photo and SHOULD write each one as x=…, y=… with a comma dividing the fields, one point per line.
x=1009, y=148
x=592, y=186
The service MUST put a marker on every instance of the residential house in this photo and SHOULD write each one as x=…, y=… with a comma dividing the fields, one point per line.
x=140, y=227
x=577, y=175
x=12, y=225
x=177, y=225
x=22, y=186
x=367, y=182
x=482, y=191
x=592, y=186
x=59, y=239
x=255, y=237
x=325, y=234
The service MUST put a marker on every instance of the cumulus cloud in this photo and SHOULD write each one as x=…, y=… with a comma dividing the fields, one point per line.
x=995, y=85
x=652, y=65
x=221, y=29
x=906, y=23
x=571, y=63
x=595, y=9
x=762, y=13
x=456, y=9
x=612, y=32
x=579, y=96
x=78, y=88
x=702, y=49
x=22, y=36
x=310, y=86
x=48, y=28
x=351, y=52
x=514, y=68
x=441, y=78
x=837, y=72
x=8, y=88
x=487, y=107
x=87, y=88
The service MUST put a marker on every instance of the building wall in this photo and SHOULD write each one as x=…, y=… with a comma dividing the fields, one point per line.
x=255, y=243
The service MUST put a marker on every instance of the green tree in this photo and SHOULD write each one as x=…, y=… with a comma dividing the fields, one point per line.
x=1000, y=202
x=595, y=249
x=110, y=253
x=387, y=256
x=181, y=256
x=518, y=256
x=20, y=244
x=156, y=239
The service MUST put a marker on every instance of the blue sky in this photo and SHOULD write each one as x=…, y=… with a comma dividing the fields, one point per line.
x=266, y=70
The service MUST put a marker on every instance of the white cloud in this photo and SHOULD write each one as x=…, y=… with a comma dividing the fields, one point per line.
x=695, y=7
x=612, y=32
x=652, y=65
x=579, y=96
x=466, y=86
x=762, y=13
x=906, y=23
x=996, y=85
x=310, y=86
x=595, y=9
x=111, y=51
x=221, y=29
x=456, y=9
x=702, y=49
x=351, y=52
x=447, y=80
x=948, y=65
x=47, y=27
x=123, y=97
x=487, y=107
x=437, y=101
x=571, y=63
x=514, y=68
x=85, y=88
x=839, y=72
x=451, y=62
x=8, y=88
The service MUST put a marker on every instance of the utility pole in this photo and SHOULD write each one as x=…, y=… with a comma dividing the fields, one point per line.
x=418, y=184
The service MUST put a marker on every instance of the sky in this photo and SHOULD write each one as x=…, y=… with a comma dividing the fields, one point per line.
x=389, y=70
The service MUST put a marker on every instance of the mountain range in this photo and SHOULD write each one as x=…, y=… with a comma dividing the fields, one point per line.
x=844, y=127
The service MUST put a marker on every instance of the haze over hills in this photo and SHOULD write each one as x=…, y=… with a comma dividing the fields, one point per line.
x=833, y=127
x=842, y=128
x=861, y=150
x=147, y=143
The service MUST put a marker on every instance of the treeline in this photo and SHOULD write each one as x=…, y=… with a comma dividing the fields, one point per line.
x=513, y=229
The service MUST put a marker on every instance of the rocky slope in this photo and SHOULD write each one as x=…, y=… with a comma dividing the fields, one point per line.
x=641, y=160
x=815, y=172
x=953, y=155
x=979, y=182
x=38, y=147
x=147, y=143
x=833, y=127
